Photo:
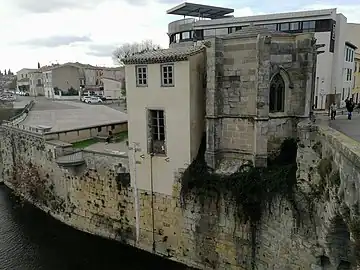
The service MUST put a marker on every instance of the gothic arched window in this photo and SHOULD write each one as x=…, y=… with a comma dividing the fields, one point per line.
x=277, y=94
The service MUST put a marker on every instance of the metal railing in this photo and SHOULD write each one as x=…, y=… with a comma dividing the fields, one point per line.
x=71, y=159
x=181, y=25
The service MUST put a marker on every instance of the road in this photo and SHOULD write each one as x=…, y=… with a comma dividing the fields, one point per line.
x=350, y=128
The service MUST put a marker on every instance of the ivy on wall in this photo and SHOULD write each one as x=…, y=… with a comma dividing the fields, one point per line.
x=251, y=190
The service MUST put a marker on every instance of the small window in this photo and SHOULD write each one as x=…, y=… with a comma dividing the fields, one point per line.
x=277, y=94
x=284, y=27
x=157, y=132
x=167, y=75
x=185, y=35
x=294, y=26
x=99, y=129
x=141, y=76
x=309, y=26
x=237, y=28
x=112, y=127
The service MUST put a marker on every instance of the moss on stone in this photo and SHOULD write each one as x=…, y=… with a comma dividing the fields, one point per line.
x=251, y=190
x=317, y=147
x=354, y=227
x=325, y=168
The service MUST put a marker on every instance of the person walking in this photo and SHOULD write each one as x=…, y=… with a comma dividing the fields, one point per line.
x=333, y=109
x=350, y=105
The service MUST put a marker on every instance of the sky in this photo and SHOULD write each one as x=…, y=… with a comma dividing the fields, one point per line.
x=87, y=31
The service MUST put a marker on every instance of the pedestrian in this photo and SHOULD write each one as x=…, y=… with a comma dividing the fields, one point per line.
x=109, y=137
x=333, y=111
x=350, y=107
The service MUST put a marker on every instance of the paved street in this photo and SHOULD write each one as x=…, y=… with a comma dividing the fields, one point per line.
x=350, y=128
x=66, y=115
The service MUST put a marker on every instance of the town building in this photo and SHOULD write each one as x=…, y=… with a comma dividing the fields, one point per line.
x=113, y=88
x=61, y=78
x=348, y=70
x=23, y=79
x=356, y=81
x=202, y=22
x=353, y=33
x=36, y=83
x=258, y=83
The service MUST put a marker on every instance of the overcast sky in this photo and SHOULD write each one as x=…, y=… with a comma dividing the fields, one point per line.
x=87, y=31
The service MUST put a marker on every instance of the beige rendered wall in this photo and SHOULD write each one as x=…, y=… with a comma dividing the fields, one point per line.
x=159, y=170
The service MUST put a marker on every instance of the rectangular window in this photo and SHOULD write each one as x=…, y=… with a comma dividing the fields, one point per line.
x=230, y=30
x=185, y=35
x=343, y=93
x=157, y=132
x=167, y=75
x=99, y=129
x=294, y=26
x=356, y=67
x=308, y=26
x=237, y=28
x=284, y=27
x=141, y=76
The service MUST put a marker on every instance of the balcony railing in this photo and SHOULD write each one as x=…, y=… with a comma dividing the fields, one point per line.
x=71, y=160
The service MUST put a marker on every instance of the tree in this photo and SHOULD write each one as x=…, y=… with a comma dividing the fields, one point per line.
x=128, y=49
x=38, y=65
x=12, y=84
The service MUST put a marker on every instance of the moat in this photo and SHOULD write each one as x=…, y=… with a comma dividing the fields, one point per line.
x=31, y=240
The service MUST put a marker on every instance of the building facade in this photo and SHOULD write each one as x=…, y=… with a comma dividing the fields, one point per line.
x=356, y=85
x=36, y=83
x=23, y=79
x=165, y=94
x=62, y=77
x=258, y=86
x=113, y=89
x=328, y=26
x=348, y=70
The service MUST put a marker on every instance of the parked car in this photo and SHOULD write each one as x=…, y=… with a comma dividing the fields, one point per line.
x=94, y=100
x=85, y=98
x=102, y=98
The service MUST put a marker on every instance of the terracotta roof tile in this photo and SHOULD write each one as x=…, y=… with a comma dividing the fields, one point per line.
x=164, y=56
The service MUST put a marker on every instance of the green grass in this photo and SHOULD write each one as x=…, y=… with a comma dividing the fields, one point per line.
x=84, y=143
x=122, y=136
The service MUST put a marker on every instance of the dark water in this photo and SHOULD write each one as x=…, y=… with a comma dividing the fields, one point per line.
x=31, y=240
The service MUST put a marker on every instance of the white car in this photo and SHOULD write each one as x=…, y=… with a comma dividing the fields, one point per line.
x=85, y=98
x=94, y=100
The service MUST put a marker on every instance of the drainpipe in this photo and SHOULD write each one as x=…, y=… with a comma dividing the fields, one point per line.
x=136, y=195
x=152, y=202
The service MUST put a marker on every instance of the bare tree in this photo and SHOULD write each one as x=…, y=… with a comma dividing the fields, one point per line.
x=128, y=49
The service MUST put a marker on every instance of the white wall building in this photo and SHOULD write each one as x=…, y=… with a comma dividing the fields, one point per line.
x=164, y=98
x=329, y=28
x=113, y=88
x=348, y=70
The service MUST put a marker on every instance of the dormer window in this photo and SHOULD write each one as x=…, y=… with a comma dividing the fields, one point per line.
x=167, y=75
x=141, y=76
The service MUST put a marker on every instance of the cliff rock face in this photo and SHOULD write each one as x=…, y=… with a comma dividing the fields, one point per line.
x=319, y=231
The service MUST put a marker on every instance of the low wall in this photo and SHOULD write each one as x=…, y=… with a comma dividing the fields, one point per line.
x=76, y=135
x=95, y=198
x=57, y=97
x=329, y=171
x=320, y=231
x=21, y=116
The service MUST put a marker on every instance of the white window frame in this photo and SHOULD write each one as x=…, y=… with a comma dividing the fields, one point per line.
x=165, y=75
x=140, y=71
